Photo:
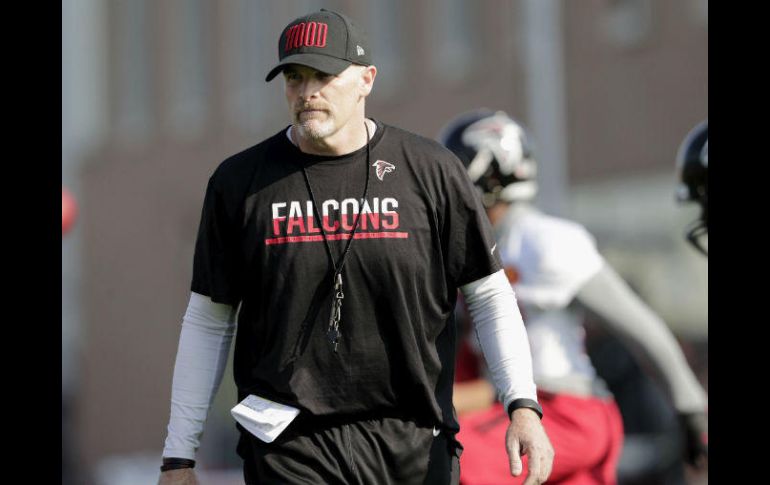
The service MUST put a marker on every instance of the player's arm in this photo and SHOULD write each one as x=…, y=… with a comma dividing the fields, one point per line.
x=504, y=344
x=472, y=395
x=648, y=337
x=204, y=346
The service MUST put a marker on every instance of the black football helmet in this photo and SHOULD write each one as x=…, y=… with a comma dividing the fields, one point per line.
x=692, y=172
x=496, y=152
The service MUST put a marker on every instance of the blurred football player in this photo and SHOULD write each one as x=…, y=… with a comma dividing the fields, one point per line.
x=557, y=274
x=692, y=166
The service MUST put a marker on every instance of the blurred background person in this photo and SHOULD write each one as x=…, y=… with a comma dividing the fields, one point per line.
x=653, y=428
x=557, y=274
x=692, y=166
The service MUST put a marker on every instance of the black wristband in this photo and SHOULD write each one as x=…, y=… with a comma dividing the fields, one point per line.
x=525, y=403
x=176, y=464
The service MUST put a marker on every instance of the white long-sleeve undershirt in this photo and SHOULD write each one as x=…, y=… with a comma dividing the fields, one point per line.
x=502, y=336
x=208, y=329
x=204, y=346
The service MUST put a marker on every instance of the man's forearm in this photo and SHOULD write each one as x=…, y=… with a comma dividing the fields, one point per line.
x=204, y=346
x=502, y=336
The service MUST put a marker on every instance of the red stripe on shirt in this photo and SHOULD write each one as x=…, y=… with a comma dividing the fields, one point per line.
x=336, y=237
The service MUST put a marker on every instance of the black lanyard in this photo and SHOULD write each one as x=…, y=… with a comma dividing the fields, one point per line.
x=333, y=331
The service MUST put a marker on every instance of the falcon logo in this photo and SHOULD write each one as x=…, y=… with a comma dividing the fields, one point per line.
x=383, y=167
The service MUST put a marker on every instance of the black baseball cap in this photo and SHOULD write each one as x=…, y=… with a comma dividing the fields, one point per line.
x=324, y=40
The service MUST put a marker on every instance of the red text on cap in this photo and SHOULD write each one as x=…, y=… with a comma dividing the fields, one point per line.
x=310, y=34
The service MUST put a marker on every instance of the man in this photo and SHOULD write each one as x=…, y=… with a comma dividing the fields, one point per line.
x=692, y=166
x=343, y=242
x=555, y=270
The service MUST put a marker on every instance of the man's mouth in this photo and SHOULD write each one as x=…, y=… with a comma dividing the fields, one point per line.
x=309, y=113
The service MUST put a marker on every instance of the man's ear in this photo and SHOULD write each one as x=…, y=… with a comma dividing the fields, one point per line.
x=366, y=81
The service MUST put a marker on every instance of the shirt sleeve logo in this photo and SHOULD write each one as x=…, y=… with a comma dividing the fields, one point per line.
x=383, y=167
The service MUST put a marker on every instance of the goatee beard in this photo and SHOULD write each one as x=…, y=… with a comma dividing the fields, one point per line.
x=313, y=130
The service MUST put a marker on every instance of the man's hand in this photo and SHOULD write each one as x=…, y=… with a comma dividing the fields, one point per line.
x=181, y=476
x=526, y=436
x=695, y=428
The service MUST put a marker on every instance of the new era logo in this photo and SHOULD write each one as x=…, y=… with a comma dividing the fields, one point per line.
x=360, y=50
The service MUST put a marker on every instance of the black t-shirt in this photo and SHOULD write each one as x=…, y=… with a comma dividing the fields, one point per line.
x=423, y=233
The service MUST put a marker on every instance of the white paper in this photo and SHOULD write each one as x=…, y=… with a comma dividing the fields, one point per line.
x=263, y=418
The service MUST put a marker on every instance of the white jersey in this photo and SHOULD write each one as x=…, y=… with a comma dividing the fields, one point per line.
x=551, y=259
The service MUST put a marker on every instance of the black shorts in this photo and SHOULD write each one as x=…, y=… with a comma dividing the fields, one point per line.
x=378, y=451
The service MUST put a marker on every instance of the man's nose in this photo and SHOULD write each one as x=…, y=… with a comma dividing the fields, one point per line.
x=309, y=88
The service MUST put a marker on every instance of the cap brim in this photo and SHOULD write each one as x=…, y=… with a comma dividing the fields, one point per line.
x=320, y=62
